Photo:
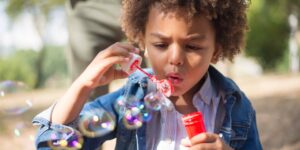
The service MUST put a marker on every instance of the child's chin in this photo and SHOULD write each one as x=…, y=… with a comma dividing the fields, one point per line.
x=177, y=93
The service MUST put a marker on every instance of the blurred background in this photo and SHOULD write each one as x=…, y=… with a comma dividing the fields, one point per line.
x=34, y=71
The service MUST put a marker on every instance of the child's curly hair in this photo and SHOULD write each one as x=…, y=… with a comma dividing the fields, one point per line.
x=228, y=17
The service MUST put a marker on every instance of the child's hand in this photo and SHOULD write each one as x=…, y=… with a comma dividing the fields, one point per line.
x=101, y=70
x=205, y=141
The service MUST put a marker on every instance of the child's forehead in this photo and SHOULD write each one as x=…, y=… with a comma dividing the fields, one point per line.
x=178, y=13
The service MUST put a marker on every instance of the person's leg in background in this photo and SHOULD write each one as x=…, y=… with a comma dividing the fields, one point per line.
x=93, y=26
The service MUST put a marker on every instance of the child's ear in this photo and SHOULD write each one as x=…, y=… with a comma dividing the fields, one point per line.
x=217, y=54
x=143, y=45
x=146, y=52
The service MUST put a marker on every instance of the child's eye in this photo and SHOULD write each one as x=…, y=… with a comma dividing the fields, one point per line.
x=193, y=47
x=160, y=45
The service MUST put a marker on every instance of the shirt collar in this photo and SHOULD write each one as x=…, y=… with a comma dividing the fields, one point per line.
x=206, y=93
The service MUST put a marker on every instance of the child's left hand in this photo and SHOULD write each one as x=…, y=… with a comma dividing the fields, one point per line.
x=205, y=141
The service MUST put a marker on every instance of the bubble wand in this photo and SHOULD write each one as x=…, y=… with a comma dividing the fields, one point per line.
x=164, y=86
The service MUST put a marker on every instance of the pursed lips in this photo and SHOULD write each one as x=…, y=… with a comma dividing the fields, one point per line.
x=175, y=78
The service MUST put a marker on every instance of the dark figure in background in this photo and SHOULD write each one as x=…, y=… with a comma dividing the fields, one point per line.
x=93, y=26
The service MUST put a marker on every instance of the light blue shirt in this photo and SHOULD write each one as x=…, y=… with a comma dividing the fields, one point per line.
x=206, y=100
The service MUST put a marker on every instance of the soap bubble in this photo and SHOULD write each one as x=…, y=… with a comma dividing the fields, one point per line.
x=9, y=86
x=153, y=100
x=132, y=118
x=146, y=115
x=21, y=128
x=17, y=110
x=125, y=102
x=132, y=101
x=65, y=138
x=97, y=122
x=120, y=105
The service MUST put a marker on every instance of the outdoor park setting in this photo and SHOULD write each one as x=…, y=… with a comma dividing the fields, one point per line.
x=34, y=69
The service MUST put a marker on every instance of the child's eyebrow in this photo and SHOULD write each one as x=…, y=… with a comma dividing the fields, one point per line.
x=196, y=36
x=159, y=35
x=190, y=37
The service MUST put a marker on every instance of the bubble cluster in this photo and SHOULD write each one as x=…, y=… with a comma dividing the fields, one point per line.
x=135, y=112
x=133, y=119
x=97, y=122
x=65, y=138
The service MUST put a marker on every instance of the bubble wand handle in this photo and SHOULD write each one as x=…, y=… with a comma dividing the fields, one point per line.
x=151, y=77
x=164, y=86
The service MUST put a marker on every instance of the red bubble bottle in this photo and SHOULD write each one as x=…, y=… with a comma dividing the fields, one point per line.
x=194, y=124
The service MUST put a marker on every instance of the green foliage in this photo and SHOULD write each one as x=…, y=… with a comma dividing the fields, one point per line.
x=267, y=39
x=269, y=32
x=15, y=7
x=21, y=66
x=283, y=66
x=55, y=62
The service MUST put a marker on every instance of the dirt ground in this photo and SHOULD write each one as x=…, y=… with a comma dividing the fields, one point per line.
x=275, y=98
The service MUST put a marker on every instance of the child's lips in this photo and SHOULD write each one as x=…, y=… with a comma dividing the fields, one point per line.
x=175, y=78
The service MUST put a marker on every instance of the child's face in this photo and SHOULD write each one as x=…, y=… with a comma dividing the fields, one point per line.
x=179, y=51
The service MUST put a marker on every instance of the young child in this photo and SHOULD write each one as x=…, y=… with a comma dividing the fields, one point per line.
x=181, y=38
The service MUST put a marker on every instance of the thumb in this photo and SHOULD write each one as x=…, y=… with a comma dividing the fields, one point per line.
x=186, y=142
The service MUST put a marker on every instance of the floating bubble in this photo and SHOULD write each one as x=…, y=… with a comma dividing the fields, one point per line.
x=154, y=100
x=2, y=93
x=146, y=115
x=9, y=86
x=131, y=101
x=97, y=122
x=20, y=109
x=65, y=138
x=133, y=118
x=17, y=132
x=120, y=105
x=125, y=102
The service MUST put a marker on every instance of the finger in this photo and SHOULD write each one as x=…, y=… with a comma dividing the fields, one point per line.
x=186, y=142
x=203, y=146
x=204, y=138
x=130, y=47
x=107, y=63
x=119, y=74
x=114, y=50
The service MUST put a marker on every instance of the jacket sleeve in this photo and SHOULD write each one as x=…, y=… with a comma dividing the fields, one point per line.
x=47, y=129
x=253, y=141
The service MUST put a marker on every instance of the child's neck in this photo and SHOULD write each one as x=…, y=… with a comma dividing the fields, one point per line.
x=184, y=103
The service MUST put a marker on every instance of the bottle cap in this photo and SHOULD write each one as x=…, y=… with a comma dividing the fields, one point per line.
x=193, y=123
x=130, y=67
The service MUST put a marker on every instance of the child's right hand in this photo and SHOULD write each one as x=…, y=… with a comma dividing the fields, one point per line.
x=204, y=141
x=101, y=70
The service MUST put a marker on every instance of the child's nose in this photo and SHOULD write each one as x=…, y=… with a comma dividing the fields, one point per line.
x=176, y=56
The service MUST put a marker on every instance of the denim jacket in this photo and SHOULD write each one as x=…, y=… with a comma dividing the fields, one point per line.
x=236, y=117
